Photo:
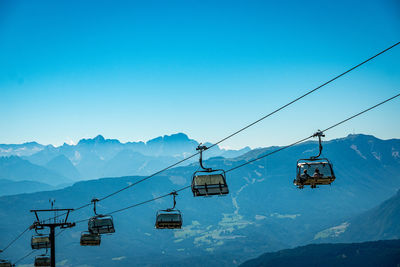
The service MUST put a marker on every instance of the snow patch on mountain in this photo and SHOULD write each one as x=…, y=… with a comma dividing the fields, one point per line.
x=395, y=153
x=118, y=258
x=260, y=217
x=354, y=147
x=376, y=155
x=333, y=231
x=284, y=216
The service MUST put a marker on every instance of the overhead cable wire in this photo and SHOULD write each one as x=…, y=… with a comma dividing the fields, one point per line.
x=241, y=165
x=148, y=177
x=65, y=213
x=306, y=94
x=141, y=203
x=265, y=155
x=257, y=121
x=309, y=137
x=262, y=156
x=24, y=257
x=147, y=201
x=15, y=239
x=244, y=128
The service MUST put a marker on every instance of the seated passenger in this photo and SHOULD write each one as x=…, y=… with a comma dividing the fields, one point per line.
x=304, y=176
x=317, y=174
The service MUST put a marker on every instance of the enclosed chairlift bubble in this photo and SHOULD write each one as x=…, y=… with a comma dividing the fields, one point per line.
x=169, y=218
x=100, y=224
x=42, y=260
x=90, y=239
x=208, y=182
x=40, y=241
x=314, y=171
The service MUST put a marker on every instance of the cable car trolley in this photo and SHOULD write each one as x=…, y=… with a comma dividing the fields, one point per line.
x=42, y=260
x=90, y=239
x=100, y=224
x=314, y=171
x=40, y=241
x=169, y=218
x=208, y=182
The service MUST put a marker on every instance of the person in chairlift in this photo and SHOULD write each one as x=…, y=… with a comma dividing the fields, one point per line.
x=317, y=174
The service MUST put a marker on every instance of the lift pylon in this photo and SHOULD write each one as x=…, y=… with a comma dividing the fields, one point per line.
x=52, y=224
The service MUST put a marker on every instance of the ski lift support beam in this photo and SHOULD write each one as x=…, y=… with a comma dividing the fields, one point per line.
x=52, y=225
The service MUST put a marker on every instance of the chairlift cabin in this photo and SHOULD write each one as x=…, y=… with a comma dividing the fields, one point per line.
x=100, y=224
x=208, y=182
x=4, y=263
x=314, y=171
x=40, y=241
x=90, y=239
x=42, y=260
x=169, y=218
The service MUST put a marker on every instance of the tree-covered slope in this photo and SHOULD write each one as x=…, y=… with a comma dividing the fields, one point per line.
x=379, y=253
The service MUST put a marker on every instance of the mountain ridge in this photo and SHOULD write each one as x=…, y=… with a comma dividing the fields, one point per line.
x=377, y=253
x=263, y=212
x=94, y=157
x=380, y=222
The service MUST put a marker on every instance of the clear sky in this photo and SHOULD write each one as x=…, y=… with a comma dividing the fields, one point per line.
x=135, y=70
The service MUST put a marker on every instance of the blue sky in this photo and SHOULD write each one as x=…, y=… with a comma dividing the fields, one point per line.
x=135, y=70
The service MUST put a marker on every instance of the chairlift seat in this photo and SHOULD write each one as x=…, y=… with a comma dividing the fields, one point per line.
x=169, y=219
x=325, y=168
x=40, y=242
x=90, y=239
x=42, y=261
x=209, y=184
x=101, y=224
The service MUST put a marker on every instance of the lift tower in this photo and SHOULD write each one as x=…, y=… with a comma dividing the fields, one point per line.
x=52, y=224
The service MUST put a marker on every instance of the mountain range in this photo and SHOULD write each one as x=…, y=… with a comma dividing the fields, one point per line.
x=94, y=158
x=264, y=211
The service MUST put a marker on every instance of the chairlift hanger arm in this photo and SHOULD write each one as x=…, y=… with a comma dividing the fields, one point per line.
x=318, y=134
x=94, y=200
x=174, y=194
x=201, y=149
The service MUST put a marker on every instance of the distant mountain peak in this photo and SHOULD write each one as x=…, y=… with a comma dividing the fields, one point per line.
x=352, y=136
x=99, y=139
x=178, y=137
x=32, y=143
